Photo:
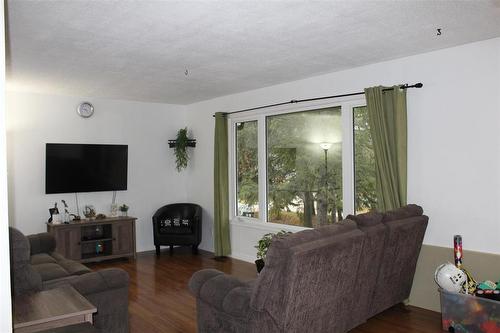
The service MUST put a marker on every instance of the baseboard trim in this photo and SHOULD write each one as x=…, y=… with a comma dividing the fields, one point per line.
x=243, y=257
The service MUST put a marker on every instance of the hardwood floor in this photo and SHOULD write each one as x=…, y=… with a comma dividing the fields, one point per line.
x=161, y=302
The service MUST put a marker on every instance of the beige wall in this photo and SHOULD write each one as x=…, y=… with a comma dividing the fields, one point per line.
x=424, y=294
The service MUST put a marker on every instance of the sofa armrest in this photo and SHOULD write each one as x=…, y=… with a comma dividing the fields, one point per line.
x=42, y=243
x=100, y=281
x=107, y=290
x=224, y=292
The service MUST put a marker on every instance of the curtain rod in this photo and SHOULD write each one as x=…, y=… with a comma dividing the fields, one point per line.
x=294, y=101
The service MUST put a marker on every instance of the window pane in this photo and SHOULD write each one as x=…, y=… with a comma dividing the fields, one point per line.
x=365, y=196
x=304, y=167
x=247, y=193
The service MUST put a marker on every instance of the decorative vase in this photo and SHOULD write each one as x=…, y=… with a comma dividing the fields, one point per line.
x=113, y=212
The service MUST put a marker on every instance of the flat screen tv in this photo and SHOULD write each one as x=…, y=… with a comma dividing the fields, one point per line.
x=72, y=168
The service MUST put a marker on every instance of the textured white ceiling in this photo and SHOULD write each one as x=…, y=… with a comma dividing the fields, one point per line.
x=139, y=50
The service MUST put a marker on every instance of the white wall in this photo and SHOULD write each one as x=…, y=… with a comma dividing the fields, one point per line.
x=33, y=120
x=5, y=303
x=453, y=144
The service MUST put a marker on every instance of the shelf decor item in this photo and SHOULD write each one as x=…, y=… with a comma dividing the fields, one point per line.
x=89, y=212
x=124, y=209
x=113, y=212
x=180, y=144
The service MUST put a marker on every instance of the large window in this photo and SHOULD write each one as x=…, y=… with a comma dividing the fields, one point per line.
x=306, y=168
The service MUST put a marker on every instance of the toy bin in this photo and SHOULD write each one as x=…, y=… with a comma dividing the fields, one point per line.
x=462, y=313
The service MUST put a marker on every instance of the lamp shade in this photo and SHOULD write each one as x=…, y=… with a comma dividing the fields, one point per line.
x=325, y=145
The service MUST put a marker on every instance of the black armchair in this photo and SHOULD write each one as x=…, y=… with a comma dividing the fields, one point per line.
x=177, y=224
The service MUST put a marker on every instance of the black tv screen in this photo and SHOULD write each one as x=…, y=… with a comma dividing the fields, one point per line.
x=85, y=168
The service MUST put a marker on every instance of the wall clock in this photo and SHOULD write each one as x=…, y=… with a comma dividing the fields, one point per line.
x=85, y=110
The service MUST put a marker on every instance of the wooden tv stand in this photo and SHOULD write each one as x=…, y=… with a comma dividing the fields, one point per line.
x=95, y=240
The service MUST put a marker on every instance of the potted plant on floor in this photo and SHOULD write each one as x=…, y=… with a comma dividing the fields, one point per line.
x=263, y=245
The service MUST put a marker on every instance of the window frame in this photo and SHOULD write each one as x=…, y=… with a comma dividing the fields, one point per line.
x=346, y=105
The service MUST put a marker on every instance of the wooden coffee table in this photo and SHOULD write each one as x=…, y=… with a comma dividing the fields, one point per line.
x=50, y=309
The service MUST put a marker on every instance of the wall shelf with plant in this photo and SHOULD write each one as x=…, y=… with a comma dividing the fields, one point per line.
x=180, y=144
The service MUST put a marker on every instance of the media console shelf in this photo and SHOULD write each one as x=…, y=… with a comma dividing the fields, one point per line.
x=95, y=240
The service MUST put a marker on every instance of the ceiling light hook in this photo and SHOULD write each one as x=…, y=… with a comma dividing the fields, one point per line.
x=438, y=32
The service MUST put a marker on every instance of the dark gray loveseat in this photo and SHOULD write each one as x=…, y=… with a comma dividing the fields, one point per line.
x=329, y=279
x=35, y=266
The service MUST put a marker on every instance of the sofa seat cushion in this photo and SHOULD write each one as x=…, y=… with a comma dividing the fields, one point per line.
x=73, y=267
x=57, y=256
x=42, y=258
x=59, y=266
x=50, y=271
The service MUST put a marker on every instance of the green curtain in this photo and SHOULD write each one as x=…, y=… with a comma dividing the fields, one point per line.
x=222, y=243
x=388, y=126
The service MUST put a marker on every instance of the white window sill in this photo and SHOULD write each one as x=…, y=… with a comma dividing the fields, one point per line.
x=249, y=222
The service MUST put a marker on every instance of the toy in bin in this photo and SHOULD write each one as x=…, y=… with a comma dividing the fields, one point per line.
x=450, y=278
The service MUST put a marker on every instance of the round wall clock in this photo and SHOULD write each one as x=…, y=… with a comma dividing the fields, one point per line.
x=85, y=109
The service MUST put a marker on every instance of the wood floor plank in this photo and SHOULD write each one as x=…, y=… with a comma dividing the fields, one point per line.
x=160, y=302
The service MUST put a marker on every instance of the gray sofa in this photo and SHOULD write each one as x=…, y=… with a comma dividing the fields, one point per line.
x=35, y=266
x=329, y=279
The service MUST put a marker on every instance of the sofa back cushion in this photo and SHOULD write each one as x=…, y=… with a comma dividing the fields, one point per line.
x=367, y=219
x=42, y=243
x=403, y=213
x=398, y=262
x=308, y=276
x=369, y=267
